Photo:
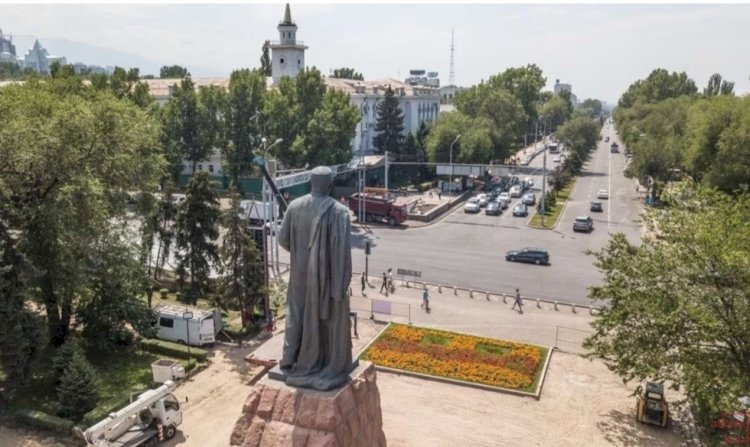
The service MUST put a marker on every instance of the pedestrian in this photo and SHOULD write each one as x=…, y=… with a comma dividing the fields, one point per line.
x=440, y=195
x=391, y=287
x=430, y=194
x=364, y=282
x=384, y=286
x=425, y=300
x=518, y=302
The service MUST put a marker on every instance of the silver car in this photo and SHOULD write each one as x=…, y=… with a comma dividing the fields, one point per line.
x=515, y=191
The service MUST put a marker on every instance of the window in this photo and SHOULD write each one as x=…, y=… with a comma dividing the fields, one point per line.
x=166, y=322
x=211, y=168
x=200, y=167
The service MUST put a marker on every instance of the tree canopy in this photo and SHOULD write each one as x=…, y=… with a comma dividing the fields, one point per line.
x=347, y=73
x=389, y=125
x=173, y=71
x=676, y=306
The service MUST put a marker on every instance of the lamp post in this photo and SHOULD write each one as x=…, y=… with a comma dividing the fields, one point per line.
x=187, y=316
x=451, y=174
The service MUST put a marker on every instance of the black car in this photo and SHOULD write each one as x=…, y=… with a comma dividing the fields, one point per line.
x=493, y=209
x=531, y=255
x=521, y=210
x=596, y=206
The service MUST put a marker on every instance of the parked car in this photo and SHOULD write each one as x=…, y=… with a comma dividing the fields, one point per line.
x=493, y=209
x=525, y=161
x=514, y=180
x=515, y=191
x=482, y=198
x=583, y=223
x=602, y=194
x=556, y=159
x=529, y=181
x=532, y=255
x=529, y=199
x=596, y=206
x=503, y=202
x=504, y=196
x=521, y=210
x=472, y=205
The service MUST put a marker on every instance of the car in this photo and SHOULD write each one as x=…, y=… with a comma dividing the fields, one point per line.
x=606, y=140
x=529, y=199
x=504, y=196
x=493, y=209
x=532, y=255
x=515, y=191
x=514, y=180
x=602, y=194
x=472, y=205
x=521, y=210
x=529, y=181
x=525, y=161
x=482, y=198
x=596, y=206
x=583, y=223
x=503, y=202
x=556, y=159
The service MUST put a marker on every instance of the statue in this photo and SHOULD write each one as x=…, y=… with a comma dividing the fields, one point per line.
x=317, y=342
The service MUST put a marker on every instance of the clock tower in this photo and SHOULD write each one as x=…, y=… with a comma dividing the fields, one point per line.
x=287, y=55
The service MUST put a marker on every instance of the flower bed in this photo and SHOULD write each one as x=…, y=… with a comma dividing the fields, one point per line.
x=480, y=360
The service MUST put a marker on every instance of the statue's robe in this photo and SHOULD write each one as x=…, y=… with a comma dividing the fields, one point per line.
x=317, y=342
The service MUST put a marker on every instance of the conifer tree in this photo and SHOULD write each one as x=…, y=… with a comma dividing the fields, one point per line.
x=78, y=389
x=390, y=125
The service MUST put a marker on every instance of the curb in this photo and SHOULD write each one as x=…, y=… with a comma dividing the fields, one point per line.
x=559, y=216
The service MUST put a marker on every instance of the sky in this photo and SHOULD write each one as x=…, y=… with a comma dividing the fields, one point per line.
x=599, y=49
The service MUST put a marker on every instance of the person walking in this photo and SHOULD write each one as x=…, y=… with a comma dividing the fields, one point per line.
x=391, y=286
x=518, y=302
x=425, y=300
x=440, y=195
x=364, y=283
x=384, y=286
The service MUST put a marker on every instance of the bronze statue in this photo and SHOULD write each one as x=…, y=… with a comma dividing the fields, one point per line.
x=317, y=342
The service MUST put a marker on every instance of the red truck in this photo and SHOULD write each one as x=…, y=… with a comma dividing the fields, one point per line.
x=378, y=208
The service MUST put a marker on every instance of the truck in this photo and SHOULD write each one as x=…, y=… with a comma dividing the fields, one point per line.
x=187, y=324
x=378, y=208
x=152, y=418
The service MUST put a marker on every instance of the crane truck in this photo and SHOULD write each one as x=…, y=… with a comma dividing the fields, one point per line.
x=150, y=419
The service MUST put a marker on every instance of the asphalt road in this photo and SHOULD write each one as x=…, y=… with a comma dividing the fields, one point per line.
x=468, y=250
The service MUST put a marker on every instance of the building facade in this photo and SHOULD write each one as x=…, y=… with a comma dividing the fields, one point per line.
x=7, y=49
x=287, y=54
x=38, y=59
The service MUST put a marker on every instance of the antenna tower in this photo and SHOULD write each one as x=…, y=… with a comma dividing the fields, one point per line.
x=452, y=76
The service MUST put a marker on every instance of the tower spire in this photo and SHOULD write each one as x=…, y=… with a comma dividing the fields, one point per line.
x=451, y=75
x=287, y=15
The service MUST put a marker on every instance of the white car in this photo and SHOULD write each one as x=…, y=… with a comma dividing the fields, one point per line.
x=602, y=194
x=482, y=200
x=525, y=162
x=529, y=181
x=515, y=191
x=504, y=196
x=472, y=206
x=556, y=159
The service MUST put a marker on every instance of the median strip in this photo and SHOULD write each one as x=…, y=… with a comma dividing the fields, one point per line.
x=552, y=217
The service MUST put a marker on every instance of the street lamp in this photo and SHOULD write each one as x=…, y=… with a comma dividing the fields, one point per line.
x=451, y=174
x=187, y=316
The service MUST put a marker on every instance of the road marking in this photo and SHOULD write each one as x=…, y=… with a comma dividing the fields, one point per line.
x=609, y=189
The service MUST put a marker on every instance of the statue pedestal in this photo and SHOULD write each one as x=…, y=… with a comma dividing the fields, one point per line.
x=277, y=415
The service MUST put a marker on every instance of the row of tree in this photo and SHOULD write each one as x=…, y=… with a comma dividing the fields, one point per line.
x=672, y=128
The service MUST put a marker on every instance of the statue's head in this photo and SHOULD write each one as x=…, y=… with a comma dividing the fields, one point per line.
x=321, y=180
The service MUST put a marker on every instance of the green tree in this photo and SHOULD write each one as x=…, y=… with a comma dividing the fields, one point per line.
x=265, y=59
x=165, y=223
x=525, y=83
x=173, y=71
x=243, y=281
x=244, y=104
x=14, y=72
x=591, y=107
x=718, y=86
x=197, y=231
x=475, y=145
x=658, y=86
x=676, y=305
x=64, y=357
x=282, y=121
x=555, y=111
x=389, y=125
x=78, y=391
x=71, y=154
x=111, y=303
x=347, y=73
x=579, y=135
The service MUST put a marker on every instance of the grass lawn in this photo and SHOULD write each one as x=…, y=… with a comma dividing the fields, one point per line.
x=550, y=219
x=122, y=372
x=486, y=361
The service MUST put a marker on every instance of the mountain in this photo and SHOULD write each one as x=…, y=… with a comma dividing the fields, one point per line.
x=94, y=55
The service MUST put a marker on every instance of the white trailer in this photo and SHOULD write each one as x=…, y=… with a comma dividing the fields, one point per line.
x=177, y=322
x=148, y=420
x=164, y=370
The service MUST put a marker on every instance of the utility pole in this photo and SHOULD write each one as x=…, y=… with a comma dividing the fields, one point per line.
x=450, y=197
x=386, y=175
x=544, y=171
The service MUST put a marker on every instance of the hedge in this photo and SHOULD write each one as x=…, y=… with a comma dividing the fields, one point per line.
x=44, y=421
x=422, y=187
x=173, y=349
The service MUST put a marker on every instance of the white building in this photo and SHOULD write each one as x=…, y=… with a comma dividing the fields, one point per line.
x=287, y=54
x=7, y=49
x=560, y=87
x=38, y=59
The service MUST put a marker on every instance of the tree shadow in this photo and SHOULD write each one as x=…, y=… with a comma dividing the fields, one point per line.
x=621, y=428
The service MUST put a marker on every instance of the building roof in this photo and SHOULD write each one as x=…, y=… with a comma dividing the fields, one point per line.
x=161, y=87
x=178, y=310
x=378, y=87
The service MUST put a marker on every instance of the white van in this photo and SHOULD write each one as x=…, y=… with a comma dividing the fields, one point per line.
x=176, y=321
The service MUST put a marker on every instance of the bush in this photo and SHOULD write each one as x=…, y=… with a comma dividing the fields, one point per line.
x=64, y=356
x=44, y=421
x=78, y=390
x=422, y=187
x=173, y=349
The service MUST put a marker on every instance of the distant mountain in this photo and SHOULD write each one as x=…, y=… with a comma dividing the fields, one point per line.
x=94, y=55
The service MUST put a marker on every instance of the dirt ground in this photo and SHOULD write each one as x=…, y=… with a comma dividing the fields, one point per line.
x=582, y=404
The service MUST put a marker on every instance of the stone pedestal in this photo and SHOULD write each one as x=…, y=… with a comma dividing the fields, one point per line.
x=277, y=415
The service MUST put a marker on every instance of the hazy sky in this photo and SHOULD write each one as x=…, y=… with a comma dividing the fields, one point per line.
x=599, y=49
